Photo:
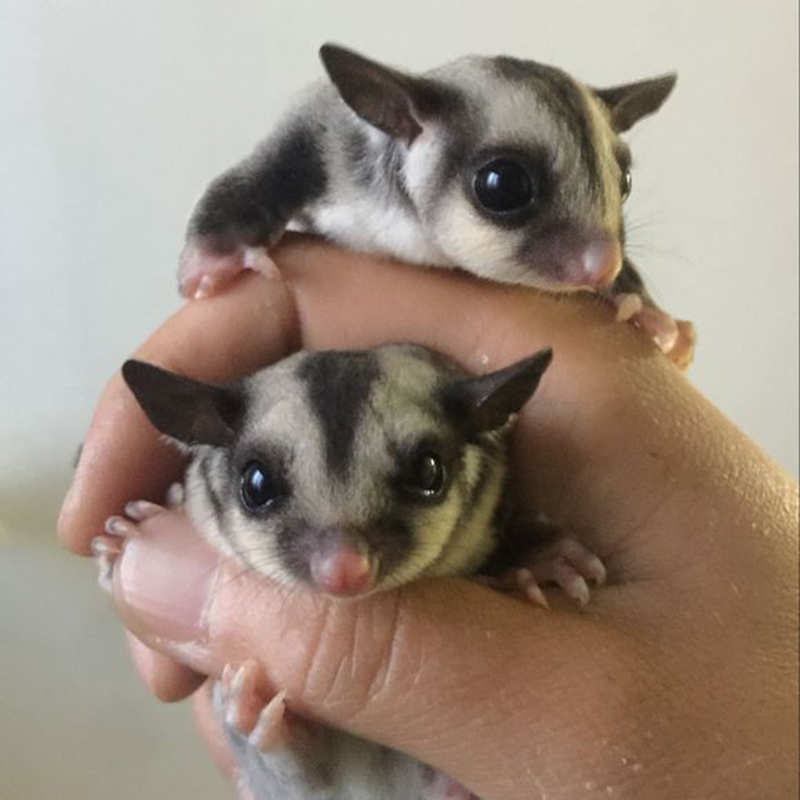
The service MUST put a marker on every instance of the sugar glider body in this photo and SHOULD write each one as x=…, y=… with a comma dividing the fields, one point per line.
x=508, y=169
x=353, y=472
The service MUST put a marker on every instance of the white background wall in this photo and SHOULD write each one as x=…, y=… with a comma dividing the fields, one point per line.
x=113, y=115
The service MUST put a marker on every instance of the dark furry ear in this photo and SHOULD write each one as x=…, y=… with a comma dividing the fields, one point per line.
x=629, y=103
x=187, y=410
x=491, y=400
x=394, y=102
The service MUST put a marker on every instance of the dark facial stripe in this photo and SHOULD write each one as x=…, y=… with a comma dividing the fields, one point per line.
x=470, y=498
x=564, y=100
x=216, y=501
x=339, y=385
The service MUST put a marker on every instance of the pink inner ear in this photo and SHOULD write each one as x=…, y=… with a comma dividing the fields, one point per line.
x=342, y=570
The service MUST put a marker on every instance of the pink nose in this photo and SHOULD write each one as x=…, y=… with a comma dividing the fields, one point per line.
x=342, y=570
x=597, y=265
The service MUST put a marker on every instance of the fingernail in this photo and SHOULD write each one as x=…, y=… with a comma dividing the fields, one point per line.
x=165, y=578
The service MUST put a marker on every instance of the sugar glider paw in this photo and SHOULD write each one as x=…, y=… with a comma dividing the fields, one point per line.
x=565, y=563
x=265, y=723
x=675, y=338
x=108, y=547
x=202, y=272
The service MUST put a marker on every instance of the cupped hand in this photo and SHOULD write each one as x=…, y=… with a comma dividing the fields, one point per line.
x=679, y=681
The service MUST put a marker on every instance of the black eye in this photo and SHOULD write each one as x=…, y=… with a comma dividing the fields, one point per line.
x=428, y=475
x=626, y=184
x=503, y=185
x=259, y=490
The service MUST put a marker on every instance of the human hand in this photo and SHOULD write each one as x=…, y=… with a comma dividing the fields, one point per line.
x=680, y=681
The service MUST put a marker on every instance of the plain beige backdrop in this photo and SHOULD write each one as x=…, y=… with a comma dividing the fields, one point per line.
x=114, y=114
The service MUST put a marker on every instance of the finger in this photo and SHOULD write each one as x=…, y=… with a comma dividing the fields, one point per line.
x=376, y=667
x=163, y=677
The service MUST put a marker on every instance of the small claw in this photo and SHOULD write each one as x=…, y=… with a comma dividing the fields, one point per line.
x=572, y=584
x=665, y=340
x=204, y=272
x=567, y=564
x=105, y=546
x=119, y=526
x=188, y=286
x=175, y=495
x=583, y=560
x=682, y=353
x=257, y=259
x=239, y=696
x=205, y=288
x=233, y=710
x=627, y=305
x=659, y=326
x=141, y=510
x=528, y=585
x=269, y=732
x=105, y=550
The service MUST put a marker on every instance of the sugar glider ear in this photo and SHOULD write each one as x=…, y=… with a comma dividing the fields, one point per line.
x=493, y=399
x=189, y=411
x=629, y=103
x=394, y=102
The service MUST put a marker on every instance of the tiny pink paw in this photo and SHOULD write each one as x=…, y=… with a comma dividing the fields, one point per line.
x=203, y=273
x=675, y=338
x=266, y=724
x=108, y=547
x=565, y=563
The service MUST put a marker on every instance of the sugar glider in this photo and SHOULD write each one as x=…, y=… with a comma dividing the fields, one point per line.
x=506, y=168
x=351, y=472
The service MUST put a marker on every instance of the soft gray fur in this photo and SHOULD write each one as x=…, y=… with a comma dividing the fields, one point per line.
x=385, y=161
x=341, y=434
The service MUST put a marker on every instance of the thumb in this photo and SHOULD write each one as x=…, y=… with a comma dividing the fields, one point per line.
x=447, y=671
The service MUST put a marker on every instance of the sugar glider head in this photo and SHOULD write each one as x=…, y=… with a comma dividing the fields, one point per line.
x=351, y=471
x=515, y=169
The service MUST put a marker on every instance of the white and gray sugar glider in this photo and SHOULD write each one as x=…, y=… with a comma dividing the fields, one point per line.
x=506, y=168
x=352, y=472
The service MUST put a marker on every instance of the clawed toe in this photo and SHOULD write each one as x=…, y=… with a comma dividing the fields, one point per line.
x=565, y=563
x=244, y=709
x=107, y=547
x=140, y=510
x=675, y=338
x=202, y=273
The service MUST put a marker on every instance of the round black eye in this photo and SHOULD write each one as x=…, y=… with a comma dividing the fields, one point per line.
x=503, y=185
x=428, y=474
x=259, y=490
x=626, y=184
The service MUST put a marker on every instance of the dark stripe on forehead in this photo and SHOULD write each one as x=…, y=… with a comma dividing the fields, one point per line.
x=339, y=385
x=564, y=100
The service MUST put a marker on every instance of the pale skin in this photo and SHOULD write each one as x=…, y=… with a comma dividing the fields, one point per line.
x=678, y=681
